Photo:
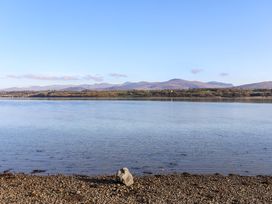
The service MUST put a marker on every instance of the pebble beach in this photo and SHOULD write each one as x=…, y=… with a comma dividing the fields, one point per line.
x=174, y=188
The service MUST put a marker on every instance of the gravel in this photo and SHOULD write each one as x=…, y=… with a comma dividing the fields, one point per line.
x=176, y=188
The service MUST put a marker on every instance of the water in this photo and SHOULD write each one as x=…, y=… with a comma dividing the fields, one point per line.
x=99, y=137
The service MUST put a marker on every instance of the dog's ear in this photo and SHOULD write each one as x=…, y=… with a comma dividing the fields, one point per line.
x=125, y=169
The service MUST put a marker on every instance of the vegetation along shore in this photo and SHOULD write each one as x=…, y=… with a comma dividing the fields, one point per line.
x=227, y=93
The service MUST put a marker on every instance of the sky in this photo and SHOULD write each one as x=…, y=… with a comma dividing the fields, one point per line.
x=45, y=42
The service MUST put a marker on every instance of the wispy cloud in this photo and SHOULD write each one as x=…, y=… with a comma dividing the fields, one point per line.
x=93, y=78
x=55, y=78
x=224, y=74
x=196, y=71
x=43, y=77
x=118, y=75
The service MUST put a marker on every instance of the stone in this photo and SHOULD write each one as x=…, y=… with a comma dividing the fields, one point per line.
x=125, y=177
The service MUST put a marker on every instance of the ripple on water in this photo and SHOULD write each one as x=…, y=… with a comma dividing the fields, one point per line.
x=99, y=137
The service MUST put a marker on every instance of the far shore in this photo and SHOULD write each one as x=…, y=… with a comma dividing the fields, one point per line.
x=206, y=95
x=172, y=188
x=184, y=99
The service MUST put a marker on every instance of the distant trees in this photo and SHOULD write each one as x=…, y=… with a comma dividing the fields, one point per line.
x=189, y=93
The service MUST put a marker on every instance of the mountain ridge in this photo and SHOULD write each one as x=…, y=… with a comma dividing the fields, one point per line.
x=144, y=85
x=260, y=85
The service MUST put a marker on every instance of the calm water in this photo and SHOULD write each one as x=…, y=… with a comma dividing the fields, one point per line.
x=99, y=137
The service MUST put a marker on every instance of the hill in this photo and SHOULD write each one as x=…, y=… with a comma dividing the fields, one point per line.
x=171, y=84
x=261, y=85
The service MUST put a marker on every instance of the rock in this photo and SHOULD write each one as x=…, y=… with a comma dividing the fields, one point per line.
x=147, y=172
x=125, y=177
x=38, y=171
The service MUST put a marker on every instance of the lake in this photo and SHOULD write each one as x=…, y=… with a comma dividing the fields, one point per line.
x=100, y=136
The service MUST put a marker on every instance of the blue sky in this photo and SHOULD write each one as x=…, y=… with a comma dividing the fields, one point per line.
x=73, y=42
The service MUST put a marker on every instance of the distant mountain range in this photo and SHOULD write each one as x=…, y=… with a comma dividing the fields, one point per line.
x=171, y=84
x=261, y=85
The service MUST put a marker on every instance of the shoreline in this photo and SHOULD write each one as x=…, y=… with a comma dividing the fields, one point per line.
x=168, y=188
x=165, y=94
x=162, y=99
